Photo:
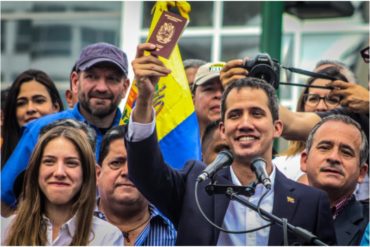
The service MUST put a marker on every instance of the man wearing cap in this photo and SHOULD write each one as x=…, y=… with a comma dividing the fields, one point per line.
x=207, y=91
x=100, y=81
x=191, y=67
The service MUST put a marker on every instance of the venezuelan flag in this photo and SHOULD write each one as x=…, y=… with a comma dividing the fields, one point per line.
x=176, y=121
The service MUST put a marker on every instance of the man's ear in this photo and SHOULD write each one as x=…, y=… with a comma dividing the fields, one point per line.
x=221, y=127
x=278, y=126
x=69, y=98
x=304, y=156
x=363, y=172
x=74, y=82
x=97, y=172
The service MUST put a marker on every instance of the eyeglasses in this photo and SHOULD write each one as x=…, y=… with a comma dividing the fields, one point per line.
x=314, y=100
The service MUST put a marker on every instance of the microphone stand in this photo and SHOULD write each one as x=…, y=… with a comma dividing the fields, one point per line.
x=308, y=236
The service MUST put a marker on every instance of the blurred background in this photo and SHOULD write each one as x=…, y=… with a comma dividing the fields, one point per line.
x=49, y=35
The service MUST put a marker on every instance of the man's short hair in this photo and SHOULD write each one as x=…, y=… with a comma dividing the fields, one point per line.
x=364, y=150
x=193, y=63
x=255, y=83
x=117, y=132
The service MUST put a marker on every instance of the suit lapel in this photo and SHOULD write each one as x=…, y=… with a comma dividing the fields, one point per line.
x=346, y=224
x=284, y=206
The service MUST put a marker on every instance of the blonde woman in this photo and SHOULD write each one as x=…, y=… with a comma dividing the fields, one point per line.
x=58, y=199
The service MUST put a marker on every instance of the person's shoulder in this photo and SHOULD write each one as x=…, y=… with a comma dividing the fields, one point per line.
x=194, y=166
x=156, y=213
x=99, y=224
x=5, y=226
x=309, y=192
x=302, y=189
x=105, y=233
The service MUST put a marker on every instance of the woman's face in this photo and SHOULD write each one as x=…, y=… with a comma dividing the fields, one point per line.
x=314, y=100
x=33, y=101
x=60, y=172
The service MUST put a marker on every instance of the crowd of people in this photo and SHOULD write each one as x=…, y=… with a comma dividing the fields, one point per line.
x=75, y=177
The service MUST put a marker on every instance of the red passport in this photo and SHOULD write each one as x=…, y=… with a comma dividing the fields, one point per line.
x=166, y=33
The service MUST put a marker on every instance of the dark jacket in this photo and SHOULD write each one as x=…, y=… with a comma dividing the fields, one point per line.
x=351, y=223
x=172, y=191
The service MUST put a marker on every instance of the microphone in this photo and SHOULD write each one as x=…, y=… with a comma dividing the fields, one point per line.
x=258, y=165
x=223, y=158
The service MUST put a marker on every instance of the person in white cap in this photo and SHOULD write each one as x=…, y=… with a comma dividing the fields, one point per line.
x=207, y=90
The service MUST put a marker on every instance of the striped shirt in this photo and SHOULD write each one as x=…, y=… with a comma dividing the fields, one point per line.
x=159, y=232
x=338, y=208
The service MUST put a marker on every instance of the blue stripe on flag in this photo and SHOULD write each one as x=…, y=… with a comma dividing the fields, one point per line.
x=182, y=143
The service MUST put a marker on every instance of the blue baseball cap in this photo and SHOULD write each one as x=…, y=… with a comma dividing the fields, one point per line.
x=102, y=52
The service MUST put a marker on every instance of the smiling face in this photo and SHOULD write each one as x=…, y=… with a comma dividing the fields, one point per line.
x=33, y=101
x=333, y=163
x=112, y=177
x=60, y=172
x=207, y=101
x=100, y=89
x=248, y=127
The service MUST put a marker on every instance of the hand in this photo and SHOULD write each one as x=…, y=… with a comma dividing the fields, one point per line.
x=354, y=95
x=231, y=71
x=147, y=70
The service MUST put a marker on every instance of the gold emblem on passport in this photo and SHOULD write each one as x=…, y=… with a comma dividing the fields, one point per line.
x=166, y=33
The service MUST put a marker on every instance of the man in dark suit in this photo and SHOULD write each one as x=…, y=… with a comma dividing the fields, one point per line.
x=335, y=161
x=250, y=122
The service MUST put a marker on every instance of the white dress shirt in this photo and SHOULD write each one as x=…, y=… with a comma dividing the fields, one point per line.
x=138, y=131
x=239, y=217
x=103, y=233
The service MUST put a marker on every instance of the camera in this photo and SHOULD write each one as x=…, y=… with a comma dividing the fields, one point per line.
x=263, y=67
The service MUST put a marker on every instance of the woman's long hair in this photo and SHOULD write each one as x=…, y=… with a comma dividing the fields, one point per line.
x=11, y=131
x=296, y=147
x=28, y=227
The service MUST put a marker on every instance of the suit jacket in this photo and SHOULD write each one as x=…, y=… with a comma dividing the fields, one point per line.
x=351, y=223
x=172, y=191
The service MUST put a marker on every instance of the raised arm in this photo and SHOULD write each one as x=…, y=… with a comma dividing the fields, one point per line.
x=297, y=125
x=148, y=70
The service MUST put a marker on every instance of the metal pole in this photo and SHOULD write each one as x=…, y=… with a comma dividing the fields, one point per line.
x=272, y=16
